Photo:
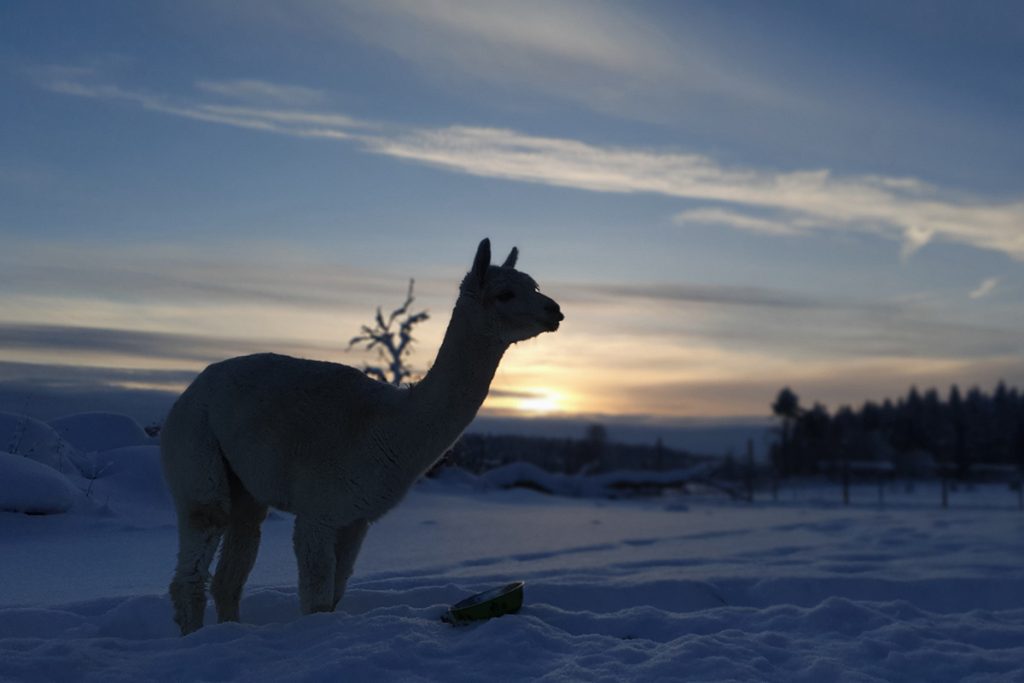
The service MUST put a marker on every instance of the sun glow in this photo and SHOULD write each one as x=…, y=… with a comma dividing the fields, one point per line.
x=543, y=403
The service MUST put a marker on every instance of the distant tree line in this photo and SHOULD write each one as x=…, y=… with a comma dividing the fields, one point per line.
x=918, y=434
x=591, y=454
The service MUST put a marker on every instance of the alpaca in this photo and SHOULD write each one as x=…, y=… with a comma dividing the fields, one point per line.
x=325, y=442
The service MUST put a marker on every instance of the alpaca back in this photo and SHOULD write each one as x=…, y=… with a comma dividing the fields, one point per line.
x=298, y=434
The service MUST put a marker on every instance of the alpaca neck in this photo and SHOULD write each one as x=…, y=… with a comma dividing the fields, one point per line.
x=447, y=399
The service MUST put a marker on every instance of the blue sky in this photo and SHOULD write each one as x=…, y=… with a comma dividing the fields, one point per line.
x=725, y=198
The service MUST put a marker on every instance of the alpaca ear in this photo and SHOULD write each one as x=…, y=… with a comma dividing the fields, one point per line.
x=510, y=262
x=482, y=261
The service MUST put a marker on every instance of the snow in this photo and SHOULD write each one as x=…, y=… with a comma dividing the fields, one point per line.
x=97, y=431
x=130, y=481
x=33, y=488
x=26, y=436
x=603, y=485
x=671, y=588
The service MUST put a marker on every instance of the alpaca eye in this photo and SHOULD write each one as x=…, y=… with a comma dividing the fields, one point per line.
x=507, y=295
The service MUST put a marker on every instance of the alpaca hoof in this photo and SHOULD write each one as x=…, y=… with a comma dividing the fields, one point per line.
x=189, y=606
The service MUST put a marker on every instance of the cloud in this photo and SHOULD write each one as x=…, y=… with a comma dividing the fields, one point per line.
x=897, y=209
x=54, y=376
x=498, y=392
x=264, y=274
x=603, y=54
x=914, y=238
x=253, y=89
x=739, y=221
x=906, y=210
x=120, y=343
x=984, y=289
x=165, y=305
x=294, y=122
x=723, y=295
x=750, y=324
x=556, y=29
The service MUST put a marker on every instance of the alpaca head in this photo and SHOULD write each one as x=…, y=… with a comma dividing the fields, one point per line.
x=505, y=303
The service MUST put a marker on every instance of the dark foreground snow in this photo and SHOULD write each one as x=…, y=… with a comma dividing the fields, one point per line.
x=667, y=589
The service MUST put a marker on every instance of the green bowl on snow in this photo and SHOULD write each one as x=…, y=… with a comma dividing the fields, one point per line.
x=493, y=603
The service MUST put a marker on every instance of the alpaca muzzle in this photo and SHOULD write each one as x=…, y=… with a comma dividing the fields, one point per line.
x=555, y=316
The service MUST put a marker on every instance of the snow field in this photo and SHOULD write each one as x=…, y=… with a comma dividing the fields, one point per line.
x=675, y=588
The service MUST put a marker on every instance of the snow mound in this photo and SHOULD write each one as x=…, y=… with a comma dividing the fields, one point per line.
x=26, y=436
x=130, y=480
x=90, y=432
x=529, y=476
x=33, y=488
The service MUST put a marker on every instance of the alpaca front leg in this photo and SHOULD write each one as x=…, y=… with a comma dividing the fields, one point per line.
x=314, y=549
x=346, y=549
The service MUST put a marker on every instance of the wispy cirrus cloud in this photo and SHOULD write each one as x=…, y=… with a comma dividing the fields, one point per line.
x=767, y=201
x=605, y=55
x=564, y=29
x=985, y=288
x=119, y=343
x=266, y=116
x=897, y=208
x=739, y=221
x=250, y=89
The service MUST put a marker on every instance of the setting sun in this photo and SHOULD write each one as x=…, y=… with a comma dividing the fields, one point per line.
x=544, y=402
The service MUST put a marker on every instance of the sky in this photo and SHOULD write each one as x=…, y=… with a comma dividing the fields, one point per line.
x=725, y=198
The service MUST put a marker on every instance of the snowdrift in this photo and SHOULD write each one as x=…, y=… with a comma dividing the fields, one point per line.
x=25, y=436
x=33, y=488
x=45, y=470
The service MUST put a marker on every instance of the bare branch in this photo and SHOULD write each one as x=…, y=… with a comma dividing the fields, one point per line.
x=392, y=345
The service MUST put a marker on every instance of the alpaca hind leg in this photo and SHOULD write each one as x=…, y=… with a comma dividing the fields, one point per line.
x=199, y=531
x=238, y=551
x=346, y=549
x=314, y=550
x=197, y=479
